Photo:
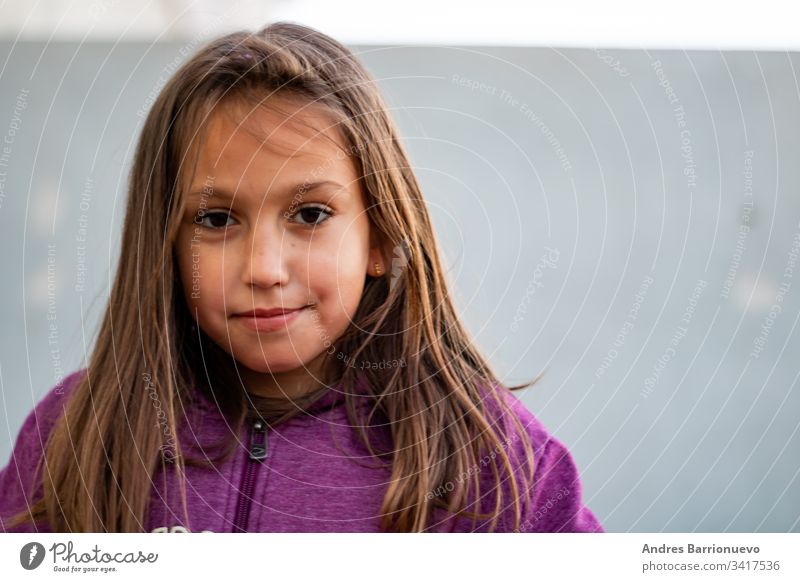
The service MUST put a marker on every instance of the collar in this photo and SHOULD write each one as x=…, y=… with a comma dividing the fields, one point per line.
x=331, y=397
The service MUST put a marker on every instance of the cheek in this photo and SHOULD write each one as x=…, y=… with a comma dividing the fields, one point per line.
x=212, y=275
x=201, y=276
x=338, y=284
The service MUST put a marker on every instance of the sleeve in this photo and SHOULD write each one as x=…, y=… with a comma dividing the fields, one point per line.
x=18, y=479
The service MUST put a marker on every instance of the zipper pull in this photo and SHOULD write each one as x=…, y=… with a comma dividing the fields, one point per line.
x=258, y=441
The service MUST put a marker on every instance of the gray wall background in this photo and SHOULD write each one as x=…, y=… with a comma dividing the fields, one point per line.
x=647, y=267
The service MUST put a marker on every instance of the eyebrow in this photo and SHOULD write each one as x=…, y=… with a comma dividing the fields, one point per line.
x=297, y=189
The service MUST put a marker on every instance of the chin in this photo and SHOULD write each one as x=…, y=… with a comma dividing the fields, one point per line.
x=275, y=366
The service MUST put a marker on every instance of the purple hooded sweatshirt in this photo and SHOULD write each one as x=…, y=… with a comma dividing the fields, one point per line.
x=308, y=474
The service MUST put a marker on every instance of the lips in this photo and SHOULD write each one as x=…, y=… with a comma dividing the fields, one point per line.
x=268, y=320
x=269, y=312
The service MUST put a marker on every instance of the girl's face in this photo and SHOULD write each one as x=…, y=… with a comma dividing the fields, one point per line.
x=275, y=220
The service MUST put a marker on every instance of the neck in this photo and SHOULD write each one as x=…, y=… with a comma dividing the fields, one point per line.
x=289, y=385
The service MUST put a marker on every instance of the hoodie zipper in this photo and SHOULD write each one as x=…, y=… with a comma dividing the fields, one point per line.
x=259, y=445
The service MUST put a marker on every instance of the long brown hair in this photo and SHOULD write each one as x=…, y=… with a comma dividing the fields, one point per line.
x=103, y=453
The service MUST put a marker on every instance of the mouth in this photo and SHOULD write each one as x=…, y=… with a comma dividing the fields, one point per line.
x=267, y=320
x=274, y=312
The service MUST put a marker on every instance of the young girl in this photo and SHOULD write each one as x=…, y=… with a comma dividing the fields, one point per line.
x=280, y=351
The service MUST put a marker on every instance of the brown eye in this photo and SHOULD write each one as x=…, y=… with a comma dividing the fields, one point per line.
x=214, y=220
x=312, y=215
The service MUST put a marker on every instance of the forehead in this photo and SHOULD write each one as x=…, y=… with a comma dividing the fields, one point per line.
x=282, y=128
x=283, y=147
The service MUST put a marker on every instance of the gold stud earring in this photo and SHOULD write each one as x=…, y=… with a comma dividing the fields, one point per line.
x=378, y=269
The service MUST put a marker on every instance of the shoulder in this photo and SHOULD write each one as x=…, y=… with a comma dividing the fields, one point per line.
x=50, y=408
x=504, y=409
x=18, y=479
x=555, y=502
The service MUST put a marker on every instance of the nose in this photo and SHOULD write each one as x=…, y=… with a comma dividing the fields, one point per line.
x=266, y=258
